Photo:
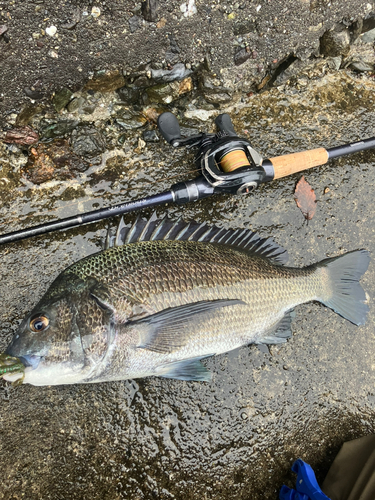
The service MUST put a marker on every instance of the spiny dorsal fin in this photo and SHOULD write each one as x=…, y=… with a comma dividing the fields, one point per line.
x=165, y=229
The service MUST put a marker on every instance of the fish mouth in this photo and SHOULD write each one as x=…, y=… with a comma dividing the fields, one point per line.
x=31, y=361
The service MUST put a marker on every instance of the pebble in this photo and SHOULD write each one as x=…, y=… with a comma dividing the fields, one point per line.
x=62, y=98
x=130, y=120
x=361, y=66
x=87, y=141
x=59, y=129
x=189, y=8
x=241, y=56
x=3, y=29
x=75, y=104
x=21, y=135
x=95, y=12
x=135, y=23
x=53, y=54
x=51, y=31
x=33, y=94
x=150, y=136
x=335, y=43
x=107, y=82
x=368, y=37
x=200, y=114
x=178, y=72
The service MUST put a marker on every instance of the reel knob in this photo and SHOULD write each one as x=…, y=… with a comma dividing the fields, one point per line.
x=169, y=128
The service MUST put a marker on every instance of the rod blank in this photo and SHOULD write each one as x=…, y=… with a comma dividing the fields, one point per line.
x=77, y=220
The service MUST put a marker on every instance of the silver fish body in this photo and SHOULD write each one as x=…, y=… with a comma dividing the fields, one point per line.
x=167, y=295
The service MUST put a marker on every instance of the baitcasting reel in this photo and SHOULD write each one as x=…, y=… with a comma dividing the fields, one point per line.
x=227, y=163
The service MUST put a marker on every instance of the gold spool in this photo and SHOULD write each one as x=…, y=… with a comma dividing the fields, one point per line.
x=233, y=160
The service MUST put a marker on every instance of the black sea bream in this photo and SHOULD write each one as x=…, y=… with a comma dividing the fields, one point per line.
x=165, y=295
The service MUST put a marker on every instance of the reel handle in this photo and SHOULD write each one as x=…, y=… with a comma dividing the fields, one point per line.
x=169, y=128
x=224, y=124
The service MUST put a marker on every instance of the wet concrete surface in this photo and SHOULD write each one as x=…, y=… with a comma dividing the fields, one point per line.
x=47, y=45
x=236, y=437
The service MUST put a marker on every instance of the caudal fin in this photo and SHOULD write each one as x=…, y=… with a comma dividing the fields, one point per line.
x=347, y=297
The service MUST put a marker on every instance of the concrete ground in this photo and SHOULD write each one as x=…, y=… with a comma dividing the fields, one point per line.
x=236, y=437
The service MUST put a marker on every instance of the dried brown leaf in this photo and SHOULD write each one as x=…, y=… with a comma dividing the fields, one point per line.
x=305, y=198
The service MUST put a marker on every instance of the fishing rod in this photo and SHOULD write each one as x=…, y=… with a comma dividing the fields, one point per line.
x=226, y=163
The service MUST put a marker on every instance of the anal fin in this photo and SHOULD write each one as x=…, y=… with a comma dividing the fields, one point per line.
x=280, y=332
x=187, y=369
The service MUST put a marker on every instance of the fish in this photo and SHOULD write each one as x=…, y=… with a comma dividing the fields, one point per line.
x=164, y=295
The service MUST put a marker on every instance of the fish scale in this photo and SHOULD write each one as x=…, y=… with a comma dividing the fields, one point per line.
x=163, y=296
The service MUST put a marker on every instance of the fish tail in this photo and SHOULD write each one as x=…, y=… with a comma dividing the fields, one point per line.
x=342, y=291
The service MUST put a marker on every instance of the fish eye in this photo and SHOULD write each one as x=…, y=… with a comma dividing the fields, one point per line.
x=39, y=323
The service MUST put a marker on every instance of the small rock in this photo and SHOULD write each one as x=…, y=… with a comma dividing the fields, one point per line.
x=368, y=37
x=75, y=104
x=368, y=23
x=218, y=98
x=178, y=72
x=336, y=42
x=175, y=49
x=95, y=12
x=59, y=129
x=200, y=114
x=212, y=89
x=62, y=98
x=334, y=62
x=33, y=94
x=150, y=136
x=107, y=82
x=161, y=23
x=130, y=120
x=185, y=85
x=21, y=135
x=163, y=93
x=54, y=160
x=51, y=31
x=87, y=141
x=129, y=95
x=153, y=114
x=241, y=56
x=25, y=115
x=150, y=10
x=189, y=8
x=88, y=109
x=135, y=23
x=361, y=66
x=53, y=54
x=3, y=29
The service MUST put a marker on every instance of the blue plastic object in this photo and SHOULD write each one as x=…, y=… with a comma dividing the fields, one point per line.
x=307, y=487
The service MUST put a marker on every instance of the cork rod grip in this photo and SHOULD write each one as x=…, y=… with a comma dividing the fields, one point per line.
x=295, y=162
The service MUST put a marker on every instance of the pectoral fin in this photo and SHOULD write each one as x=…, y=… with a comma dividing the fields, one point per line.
x=171, y=329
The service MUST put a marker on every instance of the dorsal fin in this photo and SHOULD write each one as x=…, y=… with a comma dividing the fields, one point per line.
x=155, y=229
